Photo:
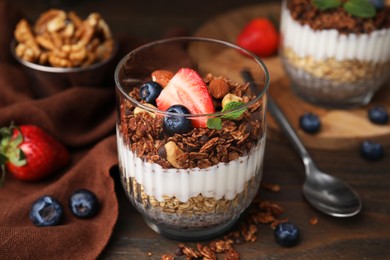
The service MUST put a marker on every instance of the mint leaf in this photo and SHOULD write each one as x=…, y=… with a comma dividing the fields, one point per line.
x=232, y=106
x=360, y=8
x=326, y=4
x=214, y=123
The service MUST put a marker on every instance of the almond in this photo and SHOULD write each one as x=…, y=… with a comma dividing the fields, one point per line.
x=218, y=88
x=162, y=77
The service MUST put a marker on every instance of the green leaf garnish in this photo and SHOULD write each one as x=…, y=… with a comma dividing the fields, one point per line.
x=360, y=8
x=232, y=106
x=327, y=4
x=214, y=123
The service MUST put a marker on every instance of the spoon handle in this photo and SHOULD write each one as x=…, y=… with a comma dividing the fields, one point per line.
x=290, y=133
x=284, y=124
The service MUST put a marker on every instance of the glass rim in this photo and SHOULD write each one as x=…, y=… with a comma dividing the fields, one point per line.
x=145, y=107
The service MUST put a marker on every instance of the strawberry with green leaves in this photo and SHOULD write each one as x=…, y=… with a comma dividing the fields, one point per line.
x=29, y=153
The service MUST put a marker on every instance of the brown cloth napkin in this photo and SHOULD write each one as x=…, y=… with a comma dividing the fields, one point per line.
x=87, y=129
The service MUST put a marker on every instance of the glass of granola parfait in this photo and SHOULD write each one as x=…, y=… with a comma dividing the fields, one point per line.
x=191, y=134
x=336, y=53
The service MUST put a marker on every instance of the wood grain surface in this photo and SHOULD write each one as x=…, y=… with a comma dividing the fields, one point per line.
x=365, y=236
x=341, y=129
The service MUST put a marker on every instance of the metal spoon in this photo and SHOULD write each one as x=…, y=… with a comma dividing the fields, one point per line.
x=326, y=193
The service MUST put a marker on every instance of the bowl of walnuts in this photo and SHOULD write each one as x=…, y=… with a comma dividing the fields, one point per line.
x=62, y=50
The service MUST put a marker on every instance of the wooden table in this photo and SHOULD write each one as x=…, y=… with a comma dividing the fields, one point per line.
x=365, y=236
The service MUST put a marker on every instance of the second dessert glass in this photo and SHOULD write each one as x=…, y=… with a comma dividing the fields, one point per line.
x=329, y=64
x=192, y=185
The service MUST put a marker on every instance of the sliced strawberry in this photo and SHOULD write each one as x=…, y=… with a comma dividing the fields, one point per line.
x=187, y=88
x=167, y=98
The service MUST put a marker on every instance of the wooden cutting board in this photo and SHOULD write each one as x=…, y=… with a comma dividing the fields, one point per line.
x=341, y=129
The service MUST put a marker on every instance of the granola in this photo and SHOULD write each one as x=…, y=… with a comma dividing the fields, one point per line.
x=196, y=180
x=346, y=71
x=199, y=210
x=332, y=79
x=261, y=212
x=201, y=147
x=305, y=12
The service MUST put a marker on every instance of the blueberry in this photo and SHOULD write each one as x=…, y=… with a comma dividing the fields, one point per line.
x=177, y=124
x=286, y=234
x=84, y=203
x=310, y=123
x=378, y=4
x=371, y=150
x=149, y=91
x=378, y=115
x=46, y=211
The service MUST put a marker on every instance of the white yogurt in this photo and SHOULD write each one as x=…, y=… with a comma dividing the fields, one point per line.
x=218, y=181
x=324, y=44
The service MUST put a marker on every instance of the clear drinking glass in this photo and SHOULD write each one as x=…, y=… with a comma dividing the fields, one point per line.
x=204, y=195
x=332, y=68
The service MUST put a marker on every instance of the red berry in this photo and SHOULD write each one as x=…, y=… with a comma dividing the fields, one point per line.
x=187, y=88
x=32, y=154
x=260, y=37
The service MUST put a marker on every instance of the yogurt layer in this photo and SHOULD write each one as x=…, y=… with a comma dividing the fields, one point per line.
x=224, y=180
x=323, y=44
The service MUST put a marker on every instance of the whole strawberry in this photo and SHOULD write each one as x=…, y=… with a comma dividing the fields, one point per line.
x=260, y=37
x=29, y=153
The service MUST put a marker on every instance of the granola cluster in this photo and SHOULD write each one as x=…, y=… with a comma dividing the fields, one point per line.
x=209, y=252
x=63, y=39
x=197, y=205
x=305, y=12
x=345, y=71
x=201, y=147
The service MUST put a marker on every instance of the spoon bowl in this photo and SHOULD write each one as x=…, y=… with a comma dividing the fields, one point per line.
x=331, y=195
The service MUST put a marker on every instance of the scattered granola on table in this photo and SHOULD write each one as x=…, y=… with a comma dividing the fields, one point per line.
x=261, y=212
x=314, y=221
